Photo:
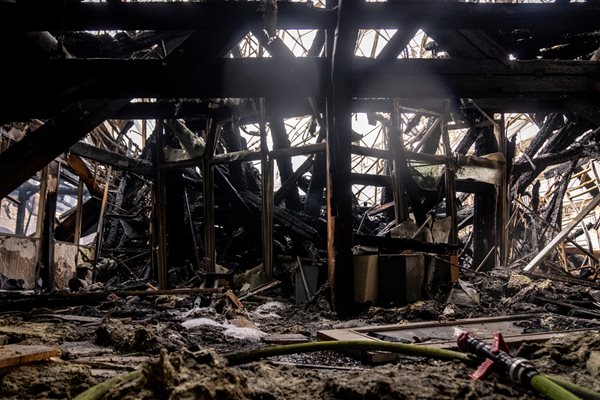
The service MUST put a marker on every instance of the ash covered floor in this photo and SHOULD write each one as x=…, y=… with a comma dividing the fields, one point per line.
x=177, y=343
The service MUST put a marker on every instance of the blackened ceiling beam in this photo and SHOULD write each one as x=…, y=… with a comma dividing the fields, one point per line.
x=66, y=16
x=212, y=15
x=300, y=77
x=293, y=107
x=23, y=111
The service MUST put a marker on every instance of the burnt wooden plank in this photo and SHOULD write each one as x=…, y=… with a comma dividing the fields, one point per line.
x=13, y=355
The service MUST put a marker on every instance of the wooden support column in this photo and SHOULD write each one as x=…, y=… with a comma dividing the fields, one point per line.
x=393, y=141
x=159, y=211
x=78, y=213
x=208, y=201
x=450, y=180
x=484, y=209
x=208, y=197
x=100, y=228
x=339, y=190
x=51, y=176
x=503, y=206
x=267, y=193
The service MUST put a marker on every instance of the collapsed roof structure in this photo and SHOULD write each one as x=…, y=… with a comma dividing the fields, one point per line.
x=172, y=142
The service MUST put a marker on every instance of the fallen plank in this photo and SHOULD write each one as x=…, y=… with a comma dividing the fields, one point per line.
x=260, y=289
x=441, y=334
x=286, y=338
x=70, y=318
x=234, y=299
x=13, y=355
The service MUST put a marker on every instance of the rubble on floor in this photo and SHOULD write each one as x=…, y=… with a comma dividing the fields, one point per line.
x=177, y=340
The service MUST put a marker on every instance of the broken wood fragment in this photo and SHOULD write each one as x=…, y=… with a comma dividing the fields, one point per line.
x=260, y=289
x=235, y=300
x=13, y=355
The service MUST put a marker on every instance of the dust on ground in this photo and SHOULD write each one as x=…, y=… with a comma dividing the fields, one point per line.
x=176, y=341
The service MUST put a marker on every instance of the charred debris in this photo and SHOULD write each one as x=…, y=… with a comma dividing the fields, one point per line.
x=178, y=177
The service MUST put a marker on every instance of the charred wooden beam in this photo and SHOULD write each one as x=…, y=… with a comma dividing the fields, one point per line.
x=42, y=16
x=208, y=198
x=74, y=16
x=554, y=154
x=51, y=139
x=396, y=44
x=496, y=105
x=159, y=211
x=290, y=183
x=301, y=77
x=284, y=218
x=546, y=160
x=48, y=266
x=281, y=141
x=587, y=109
x=503, y=202
x=232, y=141
x=339, y=141
x=484, y=214
x=371, y=180
x=115, y=160
x=318, y=178
x=170, y=110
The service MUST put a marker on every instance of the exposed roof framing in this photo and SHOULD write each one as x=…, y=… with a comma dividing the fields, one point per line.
x=61, y=16
x=48, y=141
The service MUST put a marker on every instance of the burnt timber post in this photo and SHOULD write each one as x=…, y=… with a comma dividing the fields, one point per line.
x=502, y=202
x=208, y=197
x=339, y=193
x=160, y=217
x=266, y=165
x=51, y=176
x=484, y=213
x=450, y=179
